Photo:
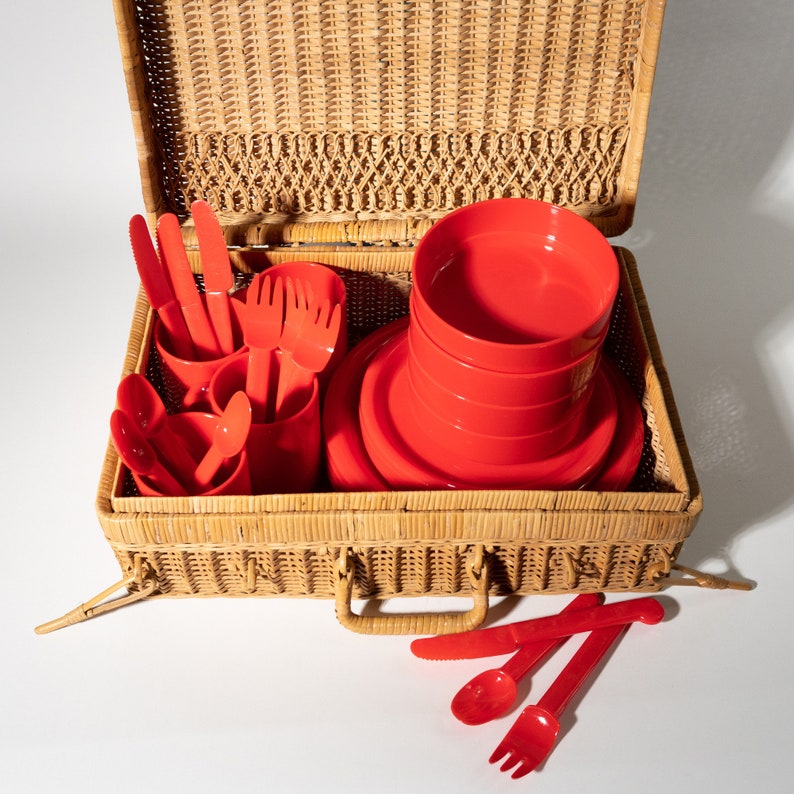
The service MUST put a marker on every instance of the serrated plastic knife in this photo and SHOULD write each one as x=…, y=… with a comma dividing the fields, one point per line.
x=218, y=276
x=158, y=288
x=505, y=639
x=172, y=251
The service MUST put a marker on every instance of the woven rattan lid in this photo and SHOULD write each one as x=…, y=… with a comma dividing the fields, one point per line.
x=362, y=121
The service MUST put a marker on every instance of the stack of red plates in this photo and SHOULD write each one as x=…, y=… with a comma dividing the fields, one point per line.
x=370, y=388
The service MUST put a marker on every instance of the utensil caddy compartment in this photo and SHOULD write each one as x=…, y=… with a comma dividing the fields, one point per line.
x=338, y=133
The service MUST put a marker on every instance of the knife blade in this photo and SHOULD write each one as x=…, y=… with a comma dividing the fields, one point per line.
x=218, y=276
x=158, y=288
x=505, y=639
x=172, y=251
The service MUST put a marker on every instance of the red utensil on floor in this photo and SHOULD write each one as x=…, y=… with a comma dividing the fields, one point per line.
x=491, y=692
x=504, y=639
x=528, y=743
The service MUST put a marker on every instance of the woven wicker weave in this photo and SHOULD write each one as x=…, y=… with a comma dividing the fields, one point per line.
x=338, y=132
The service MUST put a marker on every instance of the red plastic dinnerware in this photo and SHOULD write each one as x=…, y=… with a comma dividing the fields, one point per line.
x=139, y=457
x=464, y=411
x=218, y=274
x=158, y=288
x=514, y=284
x=173, y=253
x=625, y=452
x=499, y=388
x=404, y=455
x=349, y=466
x=528, y=743
x=490, y=693
x=228, y=440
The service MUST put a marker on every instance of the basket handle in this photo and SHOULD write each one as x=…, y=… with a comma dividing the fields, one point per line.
x=419, y=623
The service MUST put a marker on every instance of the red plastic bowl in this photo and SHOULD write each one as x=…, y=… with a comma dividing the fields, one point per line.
x=499, y=420
x=484, y=447
x=500, y=388
x=406, y=457
x=514, y=285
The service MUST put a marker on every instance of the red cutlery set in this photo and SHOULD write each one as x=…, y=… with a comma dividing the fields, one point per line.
x=241, y=409
x=490, y=694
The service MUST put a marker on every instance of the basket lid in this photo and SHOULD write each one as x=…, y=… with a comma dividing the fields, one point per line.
x=364, y=121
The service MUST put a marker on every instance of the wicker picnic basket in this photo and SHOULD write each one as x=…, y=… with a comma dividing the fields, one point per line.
x=339, y=132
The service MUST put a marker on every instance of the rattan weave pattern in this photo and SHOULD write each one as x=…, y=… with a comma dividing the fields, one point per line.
x=348, y=126
x=330, y=111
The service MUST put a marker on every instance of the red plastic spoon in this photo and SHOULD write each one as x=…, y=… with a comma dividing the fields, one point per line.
x=229, y=438
x=138, y=398
x=138, y=455
x=491, y=692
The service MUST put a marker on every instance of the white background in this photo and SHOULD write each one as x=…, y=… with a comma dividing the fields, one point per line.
x=273, y=695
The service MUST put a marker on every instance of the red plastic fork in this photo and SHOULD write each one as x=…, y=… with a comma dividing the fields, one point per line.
x=314, y=345
x=528, y=743
x=262, y=326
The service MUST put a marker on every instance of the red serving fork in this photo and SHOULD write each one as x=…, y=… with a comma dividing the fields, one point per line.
x=262, y=326
x=298, y=298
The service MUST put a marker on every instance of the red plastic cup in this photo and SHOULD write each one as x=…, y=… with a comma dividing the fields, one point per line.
x=284, y=455
x=514, y=285
x=499, y=388
x=195, y=430
x=187, y=381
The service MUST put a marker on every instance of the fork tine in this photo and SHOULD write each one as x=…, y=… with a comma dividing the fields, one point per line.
x=308, y=294
x=522, y=770
x=500, y=751
x=511, y=761
x=262, y=328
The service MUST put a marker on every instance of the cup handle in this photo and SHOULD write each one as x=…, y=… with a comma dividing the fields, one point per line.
x=420, y=623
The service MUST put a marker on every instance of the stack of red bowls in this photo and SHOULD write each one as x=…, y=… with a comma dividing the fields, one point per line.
x=510, y=306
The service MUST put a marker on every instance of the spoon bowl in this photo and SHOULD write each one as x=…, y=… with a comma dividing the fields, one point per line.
x=490, y=693
x=139, y=400
x=228, y=439
x=139, y=456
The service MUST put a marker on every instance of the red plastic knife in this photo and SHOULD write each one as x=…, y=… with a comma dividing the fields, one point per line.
x=172, y=250
x=218, y=276
x=505, y=639
x=158, y=288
